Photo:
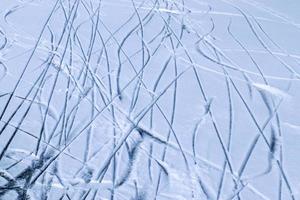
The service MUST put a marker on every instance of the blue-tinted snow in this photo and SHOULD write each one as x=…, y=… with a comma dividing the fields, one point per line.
x=149, y=99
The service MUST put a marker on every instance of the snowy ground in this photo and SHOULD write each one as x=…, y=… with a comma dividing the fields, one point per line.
x=149, y=99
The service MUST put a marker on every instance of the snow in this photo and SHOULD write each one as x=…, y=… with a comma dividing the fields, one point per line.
x=149, y=99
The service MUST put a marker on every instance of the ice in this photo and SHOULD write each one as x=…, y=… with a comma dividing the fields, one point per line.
x=149, y=99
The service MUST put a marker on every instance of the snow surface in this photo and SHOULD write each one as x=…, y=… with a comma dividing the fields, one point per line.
x=149, y=99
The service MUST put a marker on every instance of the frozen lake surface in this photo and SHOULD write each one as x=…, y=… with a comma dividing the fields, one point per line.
x=149, y=99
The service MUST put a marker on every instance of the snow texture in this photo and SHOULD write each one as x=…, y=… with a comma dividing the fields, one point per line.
x=149, y=99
